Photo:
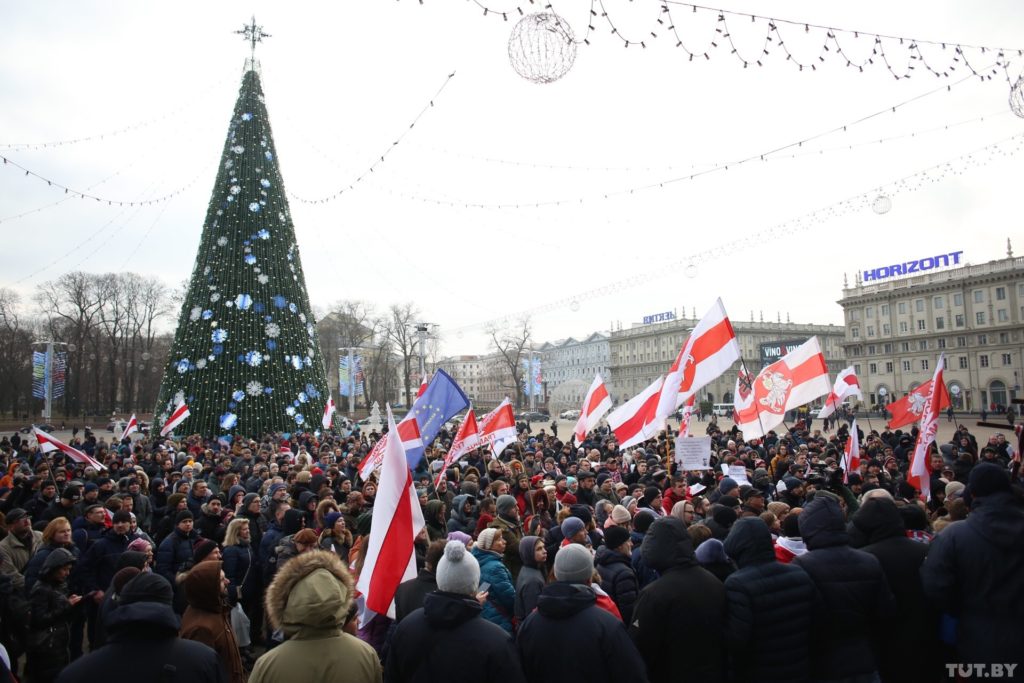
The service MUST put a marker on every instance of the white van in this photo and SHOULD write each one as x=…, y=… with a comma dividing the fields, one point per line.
x=722, y=410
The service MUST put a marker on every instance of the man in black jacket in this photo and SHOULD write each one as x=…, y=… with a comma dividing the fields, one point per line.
x=770, y=607
x=973, y=571
x=855, y=599
x=143, y=640
x=682, y=612
x=410, y=594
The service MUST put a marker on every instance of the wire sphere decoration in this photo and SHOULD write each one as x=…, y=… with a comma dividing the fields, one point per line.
x=542, y=47
x=882, y=204
x=1017, y=98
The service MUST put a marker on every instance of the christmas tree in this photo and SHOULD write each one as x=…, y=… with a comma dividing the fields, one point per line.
x=246, y=358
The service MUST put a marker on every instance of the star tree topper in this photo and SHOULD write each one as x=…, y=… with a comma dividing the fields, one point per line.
x=253, y=34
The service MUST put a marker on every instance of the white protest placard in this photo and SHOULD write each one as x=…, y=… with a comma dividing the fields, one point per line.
x=693, y=453
x=739, y=473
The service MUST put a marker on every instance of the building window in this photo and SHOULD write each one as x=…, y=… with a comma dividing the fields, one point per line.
x=888, y=366
x=961, y=341
x=1000, y=293
x=856, y=368
x=1002, y=315
x=983, y=360
x=869, y=311
x=906, y=366
x=940, y=323
x=941, y=343
x=919, y=305
x=855, y=332
x=982, y=339
x=937, y=302
x=922, y=345
x=873, y=368
x=1004, y=337
x=979, y=296
x=920, y=325
x=958, y=299
x=959, y=319
x=903, y=326
x=902, y=307
x=887, y=348
x=854, y=314
x=884, y=308
x=871, y=349
x=871, y=330
x=886, y=330
x=979, y=317
x=905, y=347
x=924, y=364
x=1007, y=359
x=962, y=362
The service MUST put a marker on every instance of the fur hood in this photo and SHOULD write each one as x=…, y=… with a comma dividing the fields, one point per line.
x=312, y=590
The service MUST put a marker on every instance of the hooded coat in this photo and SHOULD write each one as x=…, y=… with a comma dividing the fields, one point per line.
x=973, y=572
x=309, y=601
x=500, y=605
x=618, y=580
x=570, y=638
x=459, y=520
x=49, y=636
x=916, y=621
x=436, y=527
x=855, y=598
x=683, y=611
x=531, y=580
x=447, y=640
x=769, y=609
x=206, y=618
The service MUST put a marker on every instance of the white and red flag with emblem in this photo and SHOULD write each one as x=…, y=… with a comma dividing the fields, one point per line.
x=794, y=380
x=936, y=401
x=466, y=439
x=596, y=403
x=910, y=408
x=851, y=453
x=709, y=351
x=49, y=443
x=846, y=386
x=131, y=427
x=498, y=428
x=179, y=415
x=637, y=419
x=684, y=420
x=743, y=395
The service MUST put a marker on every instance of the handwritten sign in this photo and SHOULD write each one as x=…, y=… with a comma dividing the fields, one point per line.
x=693, y=453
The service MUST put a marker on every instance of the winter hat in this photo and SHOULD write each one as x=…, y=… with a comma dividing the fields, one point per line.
x=131, y=558
x=726, y=485
x=620, y=515
x=574, y=564
x=486, y=538
x=139, y=545
x=643, y=520
x=987, y=478
x=711, y=551
x=122, y=516
x=58, y=558
x=582, y=512
x=572, y=526
x=569, y=499
x=458, y=571
x=791, y=483
x=330, y=519
x=615, y=537
x=363, y=523
x=147, y=587
x=248, y=499
x=650, y=493
x=505, y=504
x=182, y=516
x=724, y=516
x=123, y=576
x=954, y=488
x=463, y=538
x=202, y=550
x=90, y=487
x=274, y=488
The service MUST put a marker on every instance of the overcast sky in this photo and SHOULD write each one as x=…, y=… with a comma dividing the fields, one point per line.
x=344, y=80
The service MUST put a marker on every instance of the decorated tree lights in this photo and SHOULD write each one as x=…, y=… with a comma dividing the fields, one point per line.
x=246, y=358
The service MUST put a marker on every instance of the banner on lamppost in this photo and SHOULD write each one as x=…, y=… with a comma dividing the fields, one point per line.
x=345, y=380
x=533, y=381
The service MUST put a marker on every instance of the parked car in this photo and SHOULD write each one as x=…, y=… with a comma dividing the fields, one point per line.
x=536, y=417
x=569, y=415
x=46, y=427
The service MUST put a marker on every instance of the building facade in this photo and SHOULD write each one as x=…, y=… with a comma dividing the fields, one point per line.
x=643, y=352
x=974, y=314
x=569, y=359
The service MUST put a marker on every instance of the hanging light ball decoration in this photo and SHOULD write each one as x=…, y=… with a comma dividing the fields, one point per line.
x=1017, y=98
x=574, y=305
x=542, y=47
x=691, y=270
x=882, y=204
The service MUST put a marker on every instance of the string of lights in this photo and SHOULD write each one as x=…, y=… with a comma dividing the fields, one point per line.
x=1007, y=147
x=379, y=160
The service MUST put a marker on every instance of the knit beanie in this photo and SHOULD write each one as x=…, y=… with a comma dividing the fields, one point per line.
x=574, y=564
x=954, y=488
x=987, y=478
x=139, y=545
x=620, y=515
x=147, y=587
x=305, y=537
x=461, y=537
x=727, y=484
x=615, y=537
x=650, y=493
x=182, y=516
x=711, y=551
x=248, y=499
x=505, y=504
x=458, y=571
x=572, y=526
x=330, y=519
x=123, y=576
x=486, y=538
x=202, y=550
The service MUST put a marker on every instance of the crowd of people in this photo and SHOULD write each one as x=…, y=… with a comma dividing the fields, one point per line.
x=204, y=559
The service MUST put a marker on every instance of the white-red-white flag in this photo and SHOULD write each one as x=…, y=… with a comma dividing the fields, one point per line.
x=637, y=419
x=709, y=351
x=498, y=428
x=131, y=427
x=179, y=415
x=49, y=443
x=397, y=519
x=851, y=453
x=596, y=403
x=328, y=417
x=408, y=435
x=797, y=378
x=938, y=397
x=466, y=439
x=846, y=385
x=684, y=422
x=423, y=386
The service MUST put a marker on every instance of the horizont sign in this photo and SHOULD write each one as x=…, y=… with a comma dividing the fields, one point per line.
x=910, y=267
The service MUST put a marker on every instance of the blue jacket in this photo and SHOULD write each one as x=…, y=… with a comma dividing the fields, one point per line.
x=241, y=570
x=501, y=600
x=174, y=551
x=100, y=563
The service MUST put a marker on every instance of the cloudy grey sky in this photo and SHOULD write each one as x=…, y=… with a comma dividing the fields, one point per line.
x=344, y=80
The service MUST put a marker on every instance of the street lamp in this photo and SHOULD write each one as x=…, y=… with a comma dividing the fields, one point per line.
x=424, y=331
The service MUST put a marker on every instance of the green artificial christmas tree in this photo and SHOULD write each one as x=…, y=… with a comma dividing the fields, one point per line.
x=246, y=358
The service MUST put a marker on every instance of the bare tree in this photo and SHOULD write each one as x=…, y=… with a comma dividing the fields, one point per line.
x=511, y=341
x=399, y=331
x=347, y=323
x=15, y=345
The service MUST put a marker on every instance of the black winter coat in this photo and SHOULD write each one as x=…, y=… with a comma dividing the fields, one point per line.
x=447, y=640
x=241, y=571
x=973, y=572
x=916, y=621
x=618, y=580
x=682, y=612
x=144, y=640
x=49, y=634
x=99, y=565
x=410, y=594
x=569, y=638
x=855, y=600
x=770, y=606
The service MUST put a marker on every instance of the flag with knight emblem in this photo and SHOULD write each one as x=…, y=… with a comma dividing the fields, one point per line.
x=796, y=379
x=909, y=409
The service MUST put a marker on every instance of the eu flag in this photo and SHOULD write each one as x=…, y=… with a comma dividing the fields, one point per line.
x=442, y=400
